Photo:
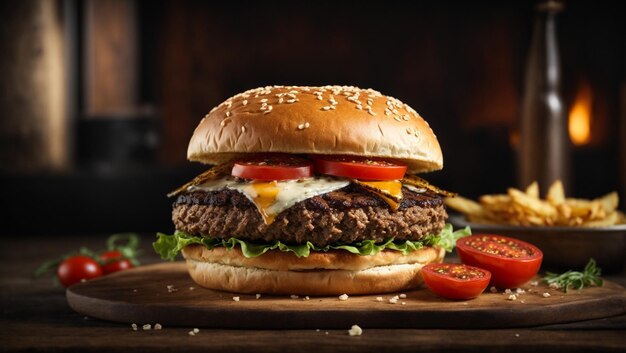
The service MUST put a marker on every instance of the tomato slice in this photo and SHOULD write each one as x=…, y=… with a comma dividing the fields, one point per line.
x=273, y=167
x=511, y=262
x=359, y=168
x=456, y=281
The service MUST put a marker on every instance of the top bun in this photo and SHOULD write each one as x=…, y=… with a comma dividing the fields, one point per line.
x=331, y=120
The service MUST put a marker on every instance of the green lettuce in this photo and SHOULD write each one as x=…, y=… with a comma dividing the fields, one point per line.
x=168, y=246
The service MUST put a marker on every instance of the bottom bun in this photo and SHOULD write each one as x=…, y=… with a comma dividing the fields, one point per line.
x=380, y=278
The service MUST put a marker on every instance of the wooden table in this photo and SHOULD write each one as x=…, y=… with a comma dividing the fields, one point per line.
x=36, y=317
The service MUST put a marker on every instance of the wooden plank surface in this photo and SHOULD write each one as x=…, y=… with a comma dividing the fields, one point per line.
x=35, y=317
x=142, y=295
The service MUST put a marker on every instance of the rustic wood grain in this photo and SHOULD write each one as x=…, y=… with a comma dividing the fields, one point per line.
x=142, y=295
x=35, y=317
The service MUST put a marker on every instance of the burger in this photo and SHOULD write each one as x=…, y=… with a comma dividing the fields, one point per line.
x=311, y=191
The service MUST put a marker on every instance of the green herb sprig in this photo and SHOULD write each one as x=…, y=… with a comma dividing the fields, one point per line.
x=575, y=279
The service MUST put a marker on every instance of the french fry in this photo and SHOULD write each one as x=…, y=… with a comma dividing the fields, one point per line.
x=555, y=195
x=526, y=208
x=538, y=206
x=533, y=190
x=465, y=206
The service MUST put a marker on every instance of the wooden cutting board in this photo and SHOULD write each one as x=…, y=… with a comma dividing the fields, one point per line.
x=141, y=295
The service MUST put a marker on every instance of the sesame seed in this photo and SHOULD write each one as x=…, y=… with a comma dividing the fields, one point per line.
x=301, y=126
x=369, y=110
x=280, y=100
x=402, y=296
x=291, y=95
x=409, y=130
x=359, y=107
x=258, y=296
x=394, y=300
x=520, y=291
x=319, y=97
x=243, y=129
x=534, y=283
x=228, y=104
x=387, y=112
x=147, y=327
x=196, y=330
x=227, y=114
x=269, y=109
x=292, y=100
x=397, y=118
x=512, y=297
x=157, y=326
x=245, y=102
x=134, y=326
x=293, y=92
x=379, y=299
x=236, y=299
x=326, y=107
x=293, y=296
x=343, y=297
x=405, y=117
x=403, y=303
x=263, y=100
x=355, y=330
x=191, y=333
x=306, y=125
x=546, y=295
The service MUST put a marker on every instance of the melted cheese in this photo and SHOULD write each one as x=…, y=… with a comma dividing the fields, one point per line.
x=271, y=198
x=390, y=191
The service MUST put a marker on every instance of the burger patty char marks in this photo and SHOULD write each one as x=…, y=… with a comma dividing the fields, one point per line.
x=343, y=216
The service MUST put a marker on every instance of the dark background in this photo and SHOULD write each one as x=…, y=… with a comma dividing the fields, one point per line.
x=139, y=75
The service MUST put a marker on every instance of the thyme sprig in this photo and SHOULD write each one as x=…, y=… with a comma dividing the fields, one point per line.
x=575, y=279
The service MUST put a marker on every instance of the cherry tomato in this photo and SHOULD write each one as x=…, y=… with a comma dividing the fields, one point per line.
x=273, y=167
x=359, y=168
x=456, y=281
x=76, y=268
x=511, y=262
x=113, y=261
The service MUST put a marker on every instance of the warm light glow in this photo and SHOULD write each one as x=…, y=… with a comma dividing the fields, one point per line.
x=580, y=117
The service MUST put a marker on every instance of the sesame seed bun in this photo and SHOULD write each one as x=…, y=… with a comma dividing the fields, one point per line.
x=337, y=120
x=331, y=273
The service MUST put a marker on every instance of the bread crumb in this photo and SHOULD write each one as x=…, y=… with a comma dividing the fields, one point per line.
x=507, y=291
x=355, y=330
x=134, y=326
x=191, y=333
x=403, y=303
x=520, y=291
x=157, y=326
x=512, y=297
x=192, y=288
x=379, y=299
x=555, y=286
x=394, y=300
x=258, y=296
x=196, y=330
x=493, y=289
x=236, y=299
x=307, y=298
x=147, y=327
x=517, y=335
x=534, y=283
x=343, y=297
x=317, y=330
x=326, y=332
x=546, y=295
x=293, y=296
x=402, y=296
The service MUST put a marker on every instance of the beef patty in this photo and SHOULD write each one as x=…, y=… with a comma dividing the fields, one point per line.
x=343, y=216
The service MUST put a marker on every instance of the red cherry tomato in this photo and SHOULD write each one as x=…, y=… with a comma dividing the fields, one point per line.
x=511, y=262
x=113, y=261
x=359, y=168
x=76, y=268
x=456, y=281
x=273, y=167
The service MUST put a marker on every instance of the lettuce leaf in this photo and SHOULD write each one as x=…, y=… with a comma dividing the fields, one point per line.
x=168, y=246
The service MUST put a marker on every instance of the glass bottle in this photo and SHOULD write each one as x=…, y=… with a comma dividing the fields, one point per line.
x=543, y=154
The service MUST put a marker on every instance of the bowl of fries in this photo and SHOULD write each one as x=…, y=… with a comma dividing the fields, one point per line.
x=569, y=231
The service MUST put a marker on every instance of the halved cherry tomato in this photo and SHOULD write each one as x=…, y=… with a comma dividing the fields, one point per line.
x=273, y=167
x=511, y=262
x=113, y=261
x=456, y=281
x=76, y=268
x=359, y=168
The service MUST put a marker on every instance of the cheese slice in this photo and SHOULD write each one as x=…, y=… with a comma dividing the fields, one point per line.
x=271, y=198
x=390, y=191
